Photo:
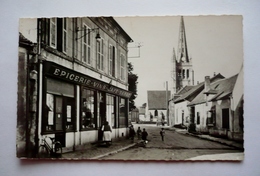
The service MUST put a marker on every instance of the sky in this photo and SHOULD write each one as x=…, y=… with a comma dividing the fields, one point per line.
x=215, y=44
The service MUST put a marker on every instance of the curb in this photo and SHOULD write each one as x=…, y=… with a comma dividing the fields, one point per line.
x=221, y=142
x=113, y=152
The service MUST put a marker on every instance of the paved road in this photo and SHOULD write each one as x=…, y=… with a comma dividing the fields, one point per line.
x=175, y=147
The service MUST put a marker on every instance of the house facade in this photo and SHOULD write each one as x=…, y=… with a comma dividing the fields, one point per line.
x=182, y=113
x=214, y=111
x=158, y=105
x=80, y=81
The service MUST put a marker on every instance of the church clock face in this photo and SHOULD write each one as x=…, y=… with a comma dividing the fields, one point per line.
x=183, y=59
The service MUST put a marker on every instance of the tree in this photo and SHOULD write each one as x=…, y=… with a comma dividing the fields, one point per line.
x=132, y=86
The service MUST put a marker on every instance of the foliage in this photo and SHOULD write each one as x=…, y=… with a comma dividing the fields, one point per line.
x=132, y=86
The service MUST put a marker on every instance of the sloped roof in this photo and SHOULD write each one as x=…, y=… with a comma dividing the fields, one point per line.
x=195, y=90
x=24, y=41
x=157, y=99
x=223, y=89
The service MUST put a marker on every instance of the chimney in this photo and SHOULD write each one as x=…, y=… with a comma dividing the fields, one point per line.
x=207, y=84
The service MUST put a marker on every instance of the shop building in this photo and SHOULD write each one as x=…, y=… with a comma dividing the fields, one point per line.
x=81, y=68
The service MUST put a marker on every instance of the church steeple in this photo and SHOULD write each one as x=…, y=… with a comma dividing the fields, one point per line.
x=183, y=64
x=182, y=45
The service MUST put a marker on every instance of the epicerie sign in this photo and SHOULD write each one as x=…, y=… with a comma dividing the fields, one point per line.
x=72, y=76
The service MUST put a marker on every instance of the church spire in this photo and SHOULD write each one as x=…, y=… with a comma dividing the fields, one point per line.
x=183, y=64
x=182, y=44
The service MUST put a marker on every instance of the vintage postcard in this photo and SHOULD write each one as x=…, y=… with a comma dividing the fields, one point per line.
x=158, y=88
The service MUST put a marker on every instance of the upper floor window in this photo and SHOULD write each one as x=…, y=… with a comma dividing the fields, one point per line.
x=64, y=35
x=53, y=29
x=111, y=61
x=183, y=73
x=86, y=43
x=122, y=67
x=100, y=54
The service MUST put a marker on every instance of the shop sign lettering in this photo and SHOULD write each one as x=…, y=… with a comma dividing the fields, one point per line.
x=79, y=78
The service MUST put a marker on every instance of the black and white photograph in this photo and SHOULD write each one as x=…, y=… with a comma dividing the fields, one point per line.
x=131, y=88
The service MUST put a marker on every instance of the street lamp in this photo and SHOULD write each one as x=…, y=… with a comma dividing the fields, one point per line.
x=87, y=31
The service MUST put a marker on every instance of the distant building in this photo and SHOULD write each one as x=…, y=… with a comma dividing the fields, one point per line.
x=158, y=104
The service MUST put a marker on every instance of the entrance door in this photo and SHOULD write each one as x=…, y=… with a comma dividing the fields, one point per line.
x=225, y=118
x=58, y=114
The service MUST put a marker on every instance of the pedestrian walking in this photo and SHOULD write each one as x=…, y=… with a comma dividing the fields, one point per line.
x=107, y=133
x=131, y=132
x=144, y=135
x=162, y=133
x=139, y=133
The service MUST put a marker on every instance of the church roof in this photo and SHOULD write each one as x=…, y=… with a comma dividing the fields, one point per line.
x=157, y=99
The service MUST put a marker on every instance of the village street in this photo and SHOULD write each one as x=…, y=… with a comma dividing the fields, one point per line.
x=175, y=146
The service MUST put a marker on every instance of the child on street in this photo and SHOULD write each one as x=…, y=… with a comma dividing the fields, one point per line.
x=144, y=136
x=162, y=133
x=139, y=132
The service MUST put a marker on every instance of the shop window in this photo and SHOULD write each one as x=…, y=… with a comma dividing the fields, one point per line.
x=111, y=110
x=122, y=113
x=88, y=119
x=58, y=107
x=59, y=113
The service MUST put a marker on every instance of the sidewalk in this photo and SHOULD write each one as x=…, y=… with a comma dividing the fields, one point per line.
x=211, y=138
x=94, y=151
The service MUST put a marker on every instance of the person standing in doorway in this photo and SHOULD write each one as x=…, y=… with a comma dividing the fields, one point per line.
x=162, y=133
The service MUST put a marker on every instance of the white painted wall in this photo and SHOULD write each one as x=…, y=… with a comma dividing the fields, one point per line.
x=181, y=108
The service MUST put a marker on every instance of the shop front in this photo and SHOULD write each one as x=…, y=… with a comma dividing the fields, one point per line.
x=74, y=106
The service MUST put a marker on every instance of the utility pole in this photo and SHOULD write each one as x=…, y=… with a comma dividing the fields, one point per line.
x=167, y=116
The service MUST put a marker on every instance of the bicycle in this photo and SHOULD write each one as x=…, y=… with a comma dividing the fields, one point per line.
x=50, y=151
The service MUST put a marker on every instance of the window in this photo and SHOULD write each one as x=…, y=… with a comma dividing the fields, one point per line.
x=53, y=29
x=86, y=43
x=88, y=119
x=45, y=30
x=188, y=73
x=111, y=110
x=122, y=67
x=211, y=118
x=122, y=113
x=183, y=73
x=100, y=55
x=59, y=107
x=65, y=35
x=111, y=61
x=198, y=118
